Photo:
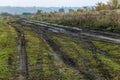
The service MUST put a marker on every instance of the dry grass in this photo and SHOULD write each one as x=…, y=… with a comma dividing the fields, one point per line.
x=103, y=20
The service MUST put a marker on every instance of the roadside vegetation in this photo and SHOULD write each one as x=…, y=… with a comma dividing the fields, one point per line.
x=102, y=17
x=8, y=51
x=101, y=20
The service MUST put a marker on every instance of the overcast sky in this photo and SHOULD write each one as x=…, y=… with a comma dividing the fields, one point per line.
x=50, y=3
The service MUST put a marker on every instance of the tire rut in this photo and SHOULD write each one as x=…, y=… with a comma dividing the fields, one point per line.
x=43, y=33
x=22, y=60
x=89, y=45
x=65, y=58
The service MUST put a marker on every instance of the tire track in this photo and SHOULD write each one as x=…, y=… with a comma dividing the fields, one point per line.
x=69, y=61
x=22, y=56
x=60, y=54
x=90, y=75
x=88, y=33
x=43, y=31
x=89, y=45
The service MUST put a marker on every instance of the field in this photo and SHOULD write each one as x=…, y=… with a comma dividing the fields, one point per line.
x=29, y=52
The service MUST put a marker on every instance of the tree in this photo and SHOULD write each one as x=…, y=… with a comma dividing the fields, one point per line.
x=39, y=12
x=114, y=4
x=79, y=10
x=85, y=8
x=71, y=10
x=26, y=14
x=6, y=14
x=101, y=6
x=61, y=10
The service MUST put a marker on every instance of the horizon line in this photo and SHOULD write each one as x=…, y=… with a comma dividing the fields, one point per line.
x=48, y=6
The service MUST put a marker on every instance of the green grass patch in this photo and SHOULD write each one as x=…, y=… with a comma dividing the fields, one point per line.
x=50, y=66
x=111, y=66
x=74, y=49
x=112, y=49
x=103, y=66
x=8, y=50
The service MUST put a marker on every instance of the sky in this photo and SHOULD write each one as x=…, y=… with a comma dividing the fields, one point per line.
x=50, y=3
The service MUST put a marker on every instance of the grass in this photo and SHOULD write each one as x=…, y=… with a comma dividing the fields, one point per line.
x=112, y=61
x=99, y=20
x=7, y=51
x=50, y=66
x=103, y=66
x=112, y=67
x=73, y=49
x=112, y=49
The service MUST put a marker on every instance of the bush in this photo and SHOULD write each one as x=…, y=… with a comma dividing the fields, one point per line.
x=103, y=20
